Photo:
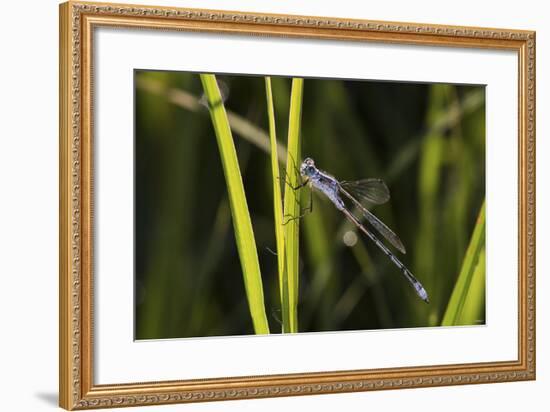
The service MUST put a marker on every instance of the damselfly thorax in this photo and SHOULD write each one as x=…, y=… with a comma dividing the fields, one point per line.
x=329, y=186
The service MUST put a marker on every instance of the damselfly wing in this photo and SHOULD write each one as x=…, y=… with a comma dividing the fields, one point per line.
x=376, y=192
x=371, y=190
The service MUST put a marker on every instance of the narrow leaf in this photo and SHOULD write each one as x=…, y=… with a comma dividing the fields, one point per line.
x=292, y=202
x=244, y=235
x=474, y=261
x=277, y=205
x=473, y=311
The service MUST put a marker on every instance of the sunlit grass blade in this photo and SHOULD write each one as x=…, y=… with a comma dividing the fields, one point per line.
x=292, y=203
x=470, y=279
x=473, y=311
x=277, y=205
x=244, y=235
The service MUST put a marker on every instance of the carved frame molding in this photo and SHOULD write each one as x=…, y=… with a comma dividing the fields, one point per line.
x=77, y=21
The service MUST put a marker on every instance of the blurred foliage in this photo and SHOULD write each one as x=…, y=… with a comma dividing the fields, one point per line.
x=427, y=141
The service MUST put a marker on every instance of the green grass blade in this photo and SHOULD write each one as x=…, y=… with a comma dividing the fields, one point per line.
x=292, y=202
x=470, y=279
x=244, y=235
x=473, y=311
x=277, y=204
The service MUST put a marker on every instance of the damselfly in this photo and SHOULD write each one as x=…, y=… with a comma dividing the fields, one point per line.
x=371, y=190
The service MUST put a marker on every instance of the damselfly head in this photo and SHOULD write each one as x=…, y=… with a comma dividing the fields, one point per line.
x=308, y=167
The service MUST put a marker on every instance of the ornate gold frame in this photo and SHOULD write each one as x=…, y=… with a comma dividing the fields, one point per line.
x=77, y=22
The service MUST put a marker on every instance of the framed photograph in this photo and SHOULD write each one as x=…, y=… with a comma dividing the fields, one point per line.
x=258, y=205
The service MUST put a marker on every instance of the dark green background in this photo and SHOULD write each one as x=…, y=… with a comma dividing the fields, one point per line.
x=427, y=141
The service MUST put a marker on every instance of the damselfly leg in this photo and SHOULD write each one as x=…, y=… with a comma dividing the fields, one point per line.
x=305, y=211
